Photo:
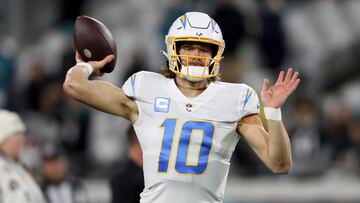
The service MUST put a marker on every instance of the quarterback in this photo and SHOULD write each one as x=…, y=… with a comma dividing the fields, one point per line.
x=187, y=121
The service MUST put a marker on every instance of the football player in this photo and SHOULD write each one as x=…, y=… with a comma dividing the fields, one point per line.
x=187, y=121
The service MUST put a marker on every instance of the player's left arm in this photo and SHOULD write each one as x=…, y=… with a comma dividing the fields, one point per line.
x=272, y=147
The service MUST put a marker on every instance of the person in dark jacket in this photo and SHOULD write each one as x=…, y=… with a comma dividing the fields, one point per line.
x=127, y=184
x=58, y=186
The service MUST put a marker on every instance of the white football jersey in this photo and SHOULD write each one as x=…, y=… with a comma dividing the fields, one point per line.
x=187, y=143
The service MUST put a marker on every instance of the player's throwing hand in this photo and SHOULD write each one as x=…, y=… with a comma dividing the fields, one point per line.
x=96, y=65
x=276, y=95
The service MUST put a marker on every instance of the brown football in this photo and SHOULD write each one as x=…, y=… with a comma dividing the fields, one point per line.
x=94, y=41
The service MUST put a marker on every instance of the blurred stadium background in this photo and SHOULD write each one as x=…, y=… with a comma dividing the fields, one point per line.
x=319, y=38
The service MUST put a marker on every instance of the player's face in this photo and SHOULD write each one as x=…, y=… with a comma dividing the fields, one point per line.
x=195, y=54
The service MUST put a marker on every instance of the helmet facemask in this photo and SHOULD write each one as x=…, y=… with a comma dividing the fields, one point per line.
x=180, y=64
x=198, y=28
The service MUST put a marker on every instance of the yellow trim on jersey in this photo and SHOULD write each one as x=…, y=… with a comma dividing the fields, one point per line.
x=211, y=147
x=161, y=143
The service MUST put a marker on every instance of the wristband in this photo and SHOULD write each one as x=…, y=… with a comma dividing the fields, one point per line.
x=272, y=113
x=88, y=66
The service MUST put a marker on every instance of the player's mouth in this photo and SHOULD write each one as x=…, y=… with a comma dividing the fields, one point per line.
x=195, y=63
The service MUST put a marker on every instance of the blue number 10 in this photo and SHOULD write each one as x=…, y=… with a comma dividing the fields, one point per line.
x=181, y=165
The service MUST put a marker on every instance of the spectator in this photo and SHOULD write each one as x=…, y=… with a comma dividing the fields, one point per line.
x=16, y=183
x=310, y=156
x=232, y=25
x=7, y=71
x=272, y=39
x=58, y=185
x=128, y=183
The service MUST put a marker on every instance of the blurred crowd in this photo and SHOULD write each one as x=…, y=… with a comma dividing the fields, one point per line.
x=320, y=39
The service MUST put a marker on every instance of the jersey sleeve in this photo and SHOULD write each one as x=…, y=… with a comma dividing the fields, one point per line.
x=249, y=102
x=132, y=85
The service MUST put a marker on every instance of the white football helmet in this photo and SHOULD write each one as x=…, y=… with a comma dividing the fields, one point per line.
x=195, y=27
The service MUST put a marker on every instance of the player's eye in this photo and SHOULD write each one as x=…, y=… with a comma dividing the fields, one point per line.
x=205, y=51
x=187, y=48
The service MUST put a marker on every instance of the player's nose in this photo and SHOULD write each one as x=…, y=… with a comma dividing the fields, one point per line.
x=196, y=52
x=196, y=60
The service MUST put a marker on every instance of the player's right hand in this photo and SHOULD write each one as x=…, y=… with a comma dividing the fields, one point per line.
x=97, y=65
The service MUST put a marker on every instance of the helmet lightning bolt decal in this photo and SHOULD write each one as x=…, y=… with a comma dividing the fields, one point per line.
x=183, y=21
x=213, y=23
